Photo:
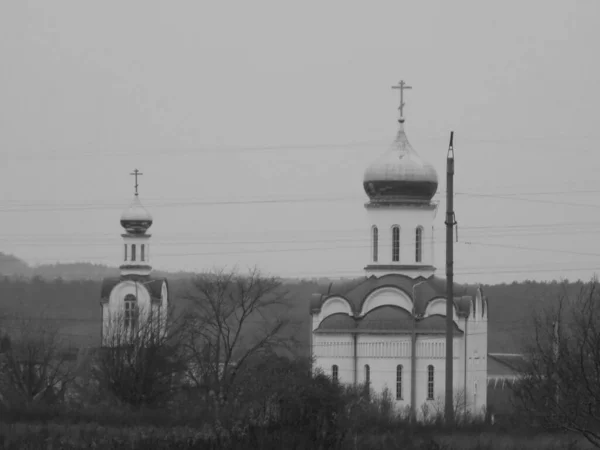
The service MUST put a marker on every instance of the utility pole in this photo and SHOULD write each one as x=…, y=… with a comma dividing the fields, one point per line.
x=450, y=222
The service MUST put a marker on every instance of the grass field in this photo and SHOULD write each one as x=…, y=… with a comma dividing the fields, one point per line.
x=78, y=436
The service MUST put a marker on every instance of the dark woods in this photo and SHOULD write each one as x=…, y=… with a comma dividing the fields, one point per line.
x=233, y=367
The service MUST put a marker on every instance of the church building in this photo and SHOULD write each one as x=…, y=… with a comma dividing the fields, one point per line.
x=389, y=330
x=135, y=300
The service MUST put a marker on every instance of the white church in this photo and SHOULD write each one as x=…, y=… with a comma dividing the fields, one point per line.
x=134, y=299
x=389, y=330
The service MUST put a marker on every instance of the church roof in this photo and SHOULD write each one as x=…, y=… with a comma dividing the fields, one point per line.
x=152, y=285
x=428, y=289
x=506, y=365
x=384, y=319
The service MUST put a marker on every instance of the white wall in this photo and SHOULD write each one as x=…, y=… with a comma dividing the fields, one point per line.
x=138, y=241
x=408, y=218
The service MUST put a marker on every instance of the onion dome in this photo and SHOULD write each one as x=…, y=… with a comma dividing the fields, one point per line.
x=135, y=219
x=400, y=174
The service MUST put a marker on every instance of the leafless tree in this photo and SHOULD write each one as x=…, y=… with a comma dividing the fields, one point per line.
x=36, y=364
x=232, y=318
x=561, y=383
x=141, y=358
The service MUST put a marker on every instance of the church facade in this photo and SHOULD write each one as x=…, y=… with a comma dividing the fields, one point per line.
x=135, y=300
x=389, y=331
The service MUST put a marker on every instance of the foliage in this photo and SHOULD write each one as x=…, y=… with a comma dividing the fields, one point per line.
x=231, y=319
x=141, y=365
x=35, y=364
x=560, y=387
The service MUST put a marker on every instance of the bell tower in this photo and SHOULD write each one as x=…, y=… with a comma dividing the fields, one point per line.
x=136, y=221
x=400, y=210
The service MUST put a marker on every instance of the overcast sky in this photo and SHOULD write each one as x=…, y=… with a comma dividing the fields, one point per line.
x=226, y=105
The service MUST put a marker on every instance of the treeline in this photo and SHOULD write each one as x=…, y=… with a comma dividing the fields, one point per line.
x=511, y=305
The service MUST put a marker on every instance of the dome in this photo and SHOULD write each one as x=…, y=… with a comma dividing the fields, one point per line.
x=400, y=174
x=135, y=219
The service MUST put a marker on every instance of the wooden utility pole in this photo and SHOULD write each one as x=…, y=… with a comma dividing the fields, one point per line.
x=450, y=222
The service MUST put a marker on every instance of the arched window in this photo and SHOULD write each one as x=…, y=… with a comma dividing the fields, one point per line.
x=399, y=382
x=375, y=244
x=133, y=252
x=367, y=375
x=131, y=312
x=396, y=243
x=125, y=252
x=143, y=252
x=334, y=372
x=430, y=382
x=418, y=244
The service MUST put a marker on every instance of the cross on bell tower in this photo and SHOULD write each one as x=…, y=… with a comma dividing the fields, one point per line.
x=135, y=173
x=401, y=85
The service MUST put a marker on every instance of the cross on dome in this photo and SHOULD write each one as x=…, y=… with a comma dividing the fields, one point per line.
x=135, y=173
x=401, y=85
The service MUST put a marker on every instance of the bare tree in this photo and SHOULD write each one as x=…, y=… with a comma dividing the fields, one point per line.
x=36, y=363
x=561, y=383
x=232, y=318
x=141, y=357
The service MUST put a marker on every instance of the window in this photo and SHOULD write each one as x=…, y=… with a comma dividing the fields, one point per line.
x=125, y=252
x=367, y=375
x=142, y=252
x=130, y=318
x=418, y=244
x=334, y=372
x=399, y=382
x=396, y=244
x=429, y=382
x=133, y=252
x=375, y=244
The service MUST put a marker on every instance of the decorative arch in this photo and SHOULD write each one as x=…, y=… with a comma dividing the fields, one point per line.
x=437, y=306
x=419, y=244
x=375, y=243
x=387, y=295
x=335, y=305
x=395, y=243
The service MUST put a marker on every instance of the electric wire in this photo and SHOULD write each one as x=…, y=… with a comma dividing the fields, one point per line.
x=38, y=207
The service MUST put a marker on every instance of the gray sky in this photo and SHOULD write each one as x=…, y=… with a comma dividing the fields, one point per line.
x=247, y=101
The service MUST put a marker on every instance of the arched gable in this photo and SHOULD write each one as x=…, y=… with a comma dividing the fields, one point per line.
x=336, y=304
x=437, y=306
x=387, y=295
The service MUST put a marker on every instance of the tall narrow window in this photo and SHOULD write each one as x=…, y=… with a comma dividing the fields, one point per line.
x=429, y=382
x=396, y=244
x=125, y=252
x=334, y=372
x=367, y=375
x=130, y=318
x=399, y=382
x=418, y=244
x=143, y=252
x=375, y=244
x=133, y=252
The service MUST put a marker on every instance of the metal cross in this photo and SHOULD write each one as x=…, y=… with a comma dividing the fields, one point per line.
x=136, y=173
x=402, y=85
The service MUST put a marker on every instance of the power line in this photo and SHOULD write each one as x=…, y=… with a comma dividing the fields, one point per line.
x=498, y=232
x=35, y=207
x=361, y=145
x=362, y=231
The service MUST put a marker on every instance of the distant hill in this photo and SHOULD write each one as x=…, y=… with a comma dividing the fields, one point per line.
x=12, y=266
x=69, y=293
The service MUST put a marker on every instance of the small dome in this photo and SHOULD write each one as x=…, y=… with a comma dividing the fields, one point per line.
x=135, y=219
x=400, y=174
